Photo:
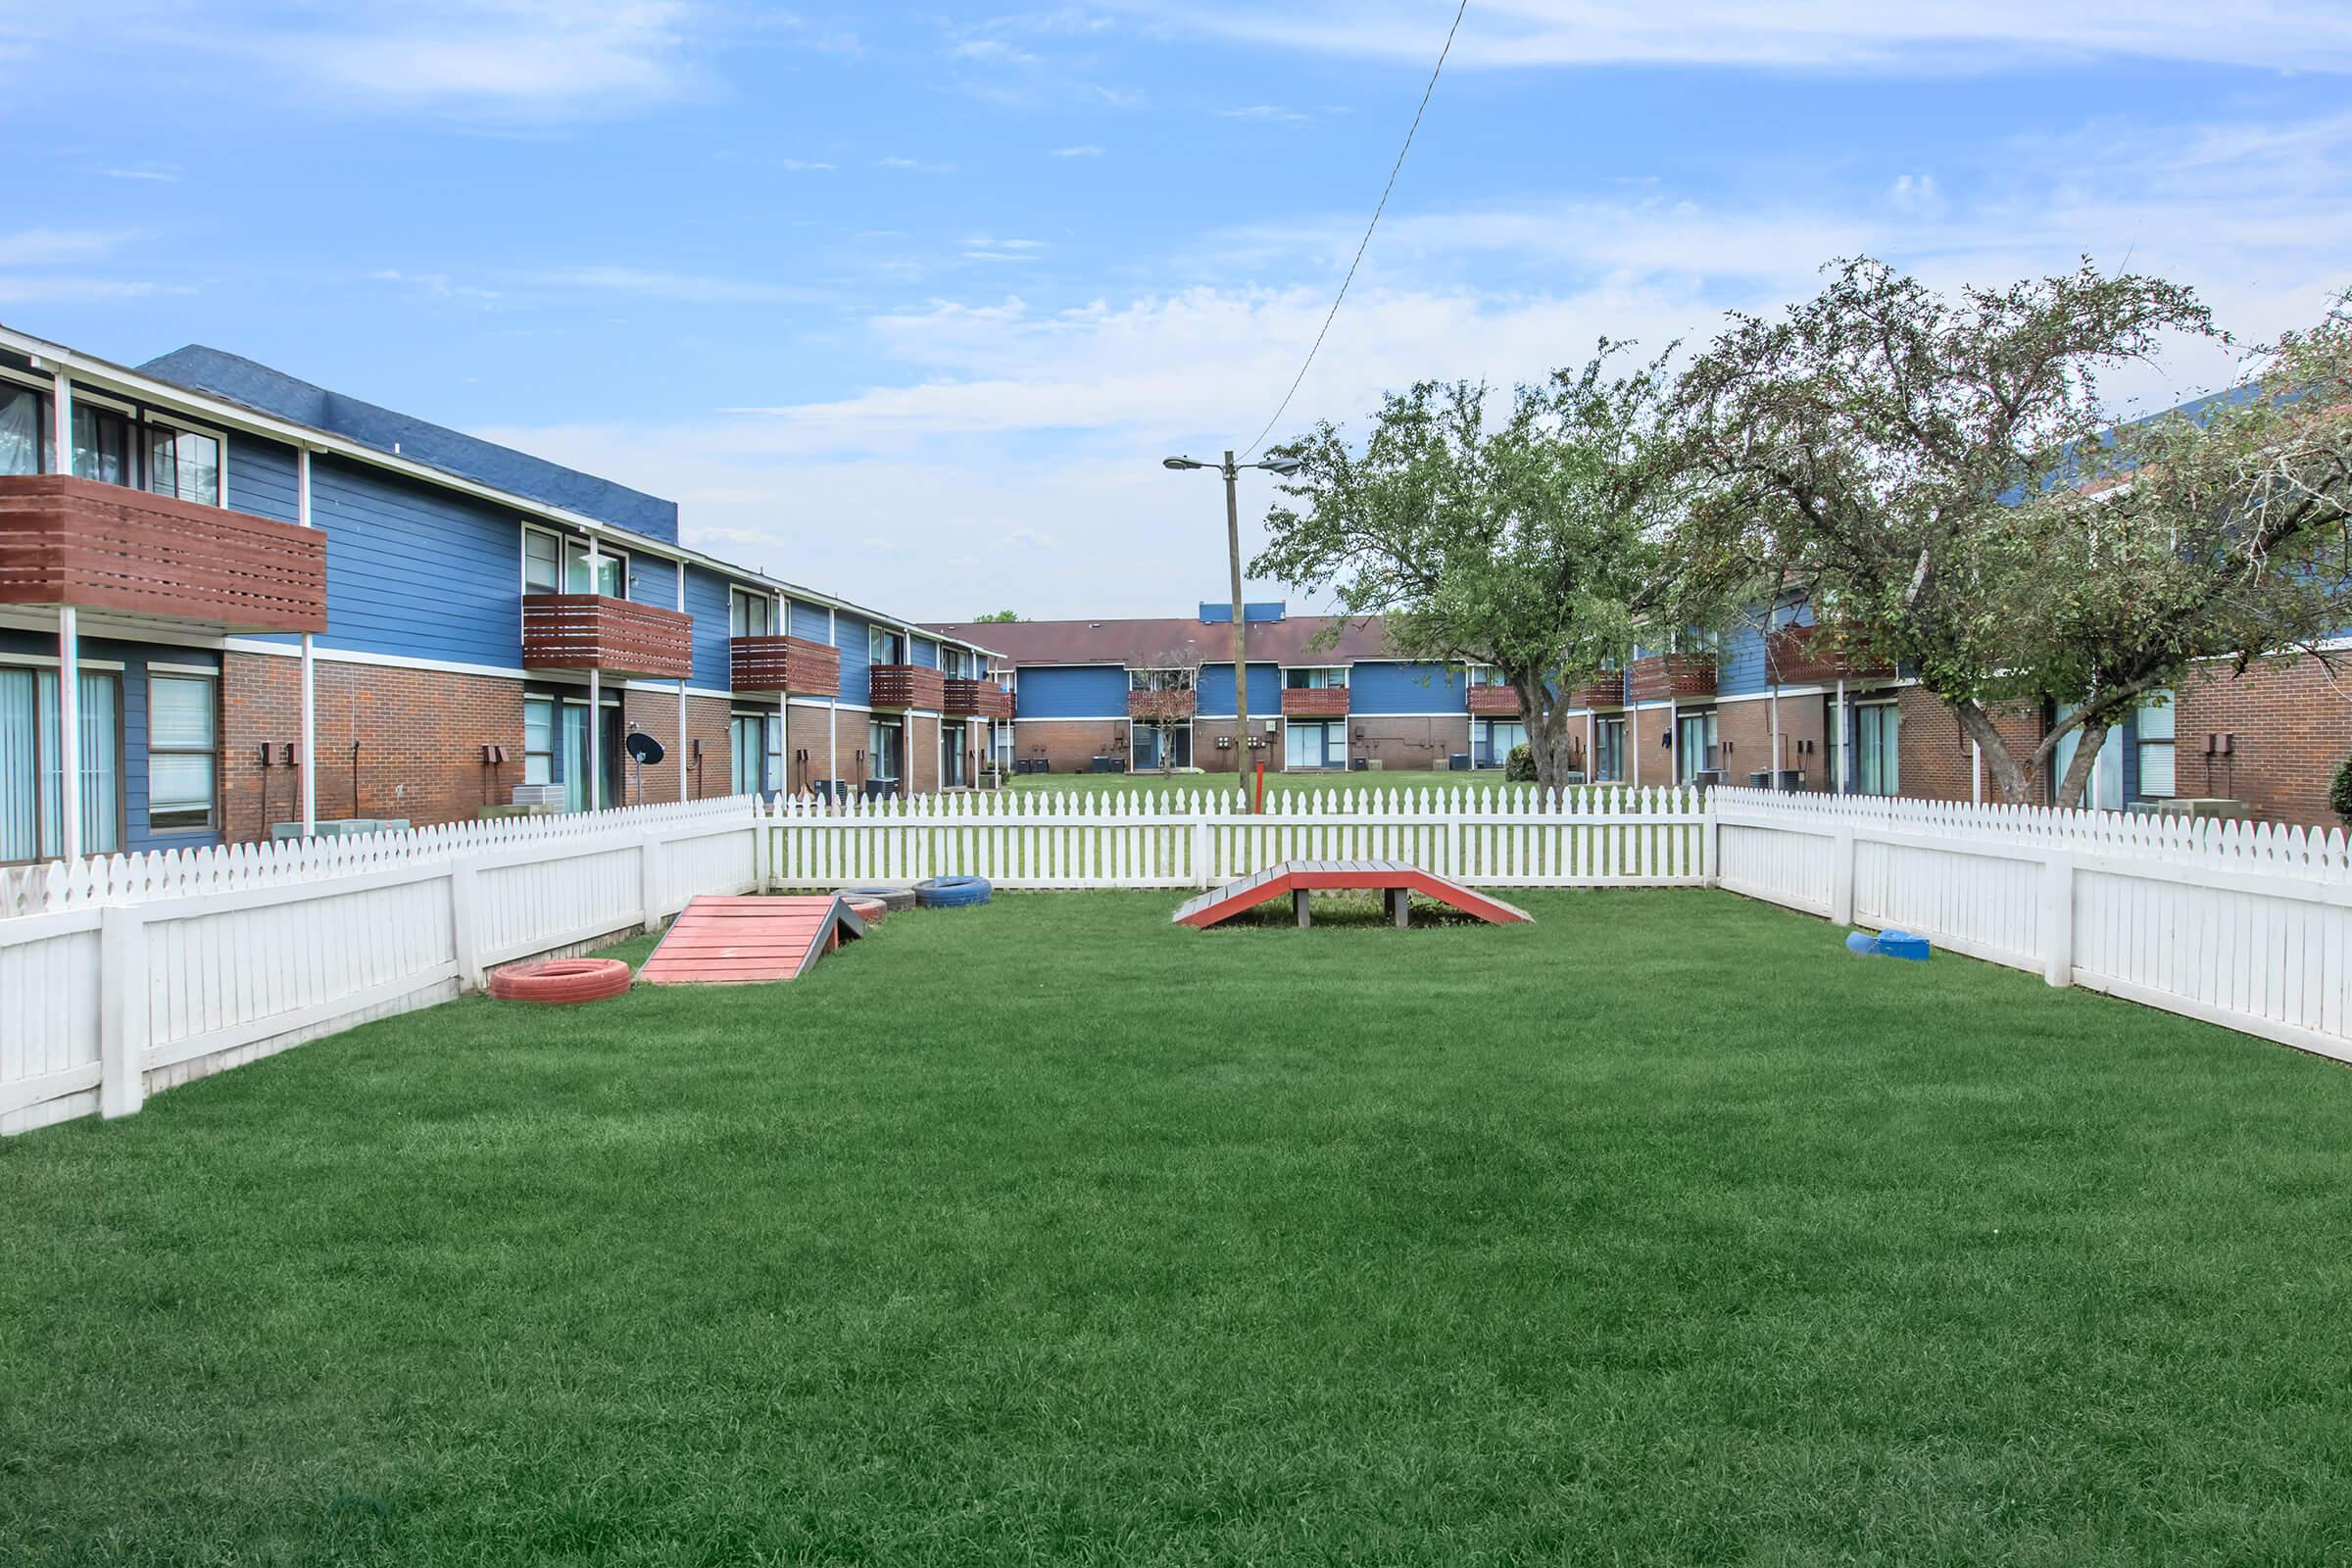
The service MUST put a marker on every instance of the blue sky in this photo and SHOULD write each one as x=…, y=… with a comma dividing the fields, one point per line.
x=907, y=302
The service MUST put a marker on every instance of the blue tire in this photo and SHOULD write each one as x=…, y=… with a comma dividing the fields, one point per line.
x=952, y=892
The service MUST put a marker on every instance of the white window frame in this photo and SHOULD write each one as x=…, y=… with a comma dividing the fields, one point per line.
x=738, y=599
x=212, y=815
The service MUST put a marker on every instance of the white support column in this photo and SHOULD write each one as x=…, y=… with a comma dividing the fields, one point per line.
x=1975, y=772
x=1633, y=745
x=60, y=425
x=69, y=730
x=1674, y=744
x=833, y=702
x=309, y=683
x=596, y=701
x=1838, y=742
x=1774, y=782
x=681, y=750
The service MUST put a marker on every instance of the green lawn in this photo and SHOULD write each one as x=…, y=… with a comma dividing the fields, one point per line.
x=1660, y=1231
x=1275, y=783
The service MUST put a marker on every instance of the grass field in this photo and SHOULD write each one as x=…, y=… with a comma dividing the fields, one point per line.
x=1275, y=783
x=1659, y=1231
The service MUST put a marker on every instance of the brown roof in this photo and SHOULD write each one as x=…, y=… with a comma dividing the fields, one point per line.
x=1181, y=640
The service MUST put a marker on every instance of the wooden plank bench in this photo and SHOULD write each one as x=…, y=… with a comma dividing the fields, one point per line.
x=1398, y=880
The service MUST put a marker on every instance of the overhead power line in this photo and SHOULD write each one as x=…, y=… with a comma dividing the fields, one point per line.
x=1365, y=243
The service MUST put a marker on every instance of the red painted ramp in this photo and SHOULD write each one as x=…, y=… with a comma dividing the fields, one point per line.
x=1316, y=876
x=740, y=940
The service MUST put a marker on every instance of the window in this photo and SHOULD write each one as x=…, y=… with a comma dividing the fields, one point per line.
x=751, y=614
x=950, y=756
x=541, y=574
x=1332, y=678
x=1160, y=680
x=956, y=662
x=32, y=802
x=2154, y=727
x=23, y=430
x=1311, y=745
x=102, y=444
x=885, y=647
x=1693, y=746
x=183, y=752
x=1878, y=768
x=883, y=750
x=1157, y=746
x=1609, y=751
x=1484, y=676
x=183, y=464
x=539, y=740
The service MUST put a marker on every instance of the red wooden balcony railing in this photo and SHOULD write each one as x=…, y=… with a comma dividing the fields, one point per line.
x=98, y=546
x=906, y=686
x=615, y=636
x=1495, y=702
x=783, y=665
x=1677, y=677
x=977, y=698
x=1314, y=702
x=1807, y=655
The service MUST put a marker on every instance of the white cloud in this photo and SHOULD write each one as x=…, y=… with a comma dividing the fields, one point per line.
x=21, y=291
x=163, y=173
x=1082, y=150
x=526, y=58
x=916, y=166
x=1845, y=36
x=802, y=164
x=49, y=247
x=682, y=289
x=1260, y=112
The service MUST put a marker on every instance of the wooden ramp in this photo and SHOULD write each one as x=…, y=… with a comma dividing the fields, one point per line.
x=1298, y=878
x=739, y=941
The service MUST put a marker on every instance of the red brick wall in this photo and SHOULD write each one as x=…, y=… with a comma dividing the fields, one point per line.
x=1410, y=744
x=1743, y=732
x=421, y=734
x=922, y=755
x=707, y=722
x=804, y=730
x=1937, y=761
x=1206, y=754
x=2291, y=730
x=1070, y=745
x=656, y=713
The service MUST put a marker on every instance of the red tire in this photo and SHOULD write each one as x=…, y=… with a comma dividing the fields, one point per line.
x=870, y=911
x=559, y=980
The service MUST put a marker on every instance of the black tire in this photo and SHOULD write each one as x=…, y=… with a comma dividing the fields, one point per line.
x=893, y=899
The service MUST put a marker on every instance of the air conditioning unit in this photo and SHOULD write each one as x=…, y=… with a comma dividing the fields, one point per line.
x=538, y=795
x=1374, y=765
x=349, y=827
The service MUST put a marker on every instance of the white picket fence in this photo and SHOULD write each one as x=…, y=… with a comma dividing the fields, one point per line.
x=131, y=974
x=1508, y=836
x=123, y=975
x=2244, y=926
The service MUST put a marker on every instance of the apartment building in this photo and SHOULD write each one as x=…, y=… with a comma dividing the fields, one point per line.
x=285, y=606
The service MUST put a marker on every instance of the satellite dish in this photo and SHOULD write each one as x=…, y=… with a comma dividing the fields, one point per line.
x=644, y=747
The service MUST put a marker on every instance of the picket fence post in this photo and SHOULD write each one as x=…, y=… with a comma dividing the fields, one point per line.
x=649, y=881
x=462, y=925
x=121, y=1010
x=1710, y=842
x=1201, y=841
x=1841, y=875
x=2058, y=920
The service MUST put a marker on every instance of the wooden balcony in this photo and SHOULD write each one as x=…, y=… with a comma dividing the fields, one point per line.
x=1797, y=656
x=1663, y=678
x=1163, y=707
x=1598, y=691
x=906, y=686
x=977, y=698
x=792, y=665
x=1495, y=702
x=614, y=636
x=1314, y=702
x=97, y=546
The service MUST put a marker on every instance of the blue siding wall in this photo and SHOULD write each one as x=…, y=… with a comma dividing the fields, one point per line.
x=1216, y=690
x=925, y=652
x=1379, y=688
x=654, y=581
x=134, y=658
x=856, y=658
x=809, y=620
x=1741, y=668
x=1073, y=691
x=415, y=570
x=261, y=478
x=706, y=603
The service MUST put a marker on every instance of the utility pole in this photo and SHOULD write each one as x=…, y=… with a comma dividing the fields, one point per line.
x=1232, y=472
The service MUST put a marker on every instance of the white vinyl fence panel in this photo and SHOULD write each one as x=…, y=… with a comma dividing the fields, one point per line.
x=1181, y=838
x=2240, y=924
x=133, y=973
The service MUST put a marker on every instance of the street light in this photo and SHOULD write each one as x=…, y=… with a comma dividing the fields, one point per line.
x=1232, y=549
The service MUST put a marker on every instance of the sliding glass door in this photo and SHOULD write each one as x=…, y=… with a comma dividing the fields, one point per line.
x=32, y=773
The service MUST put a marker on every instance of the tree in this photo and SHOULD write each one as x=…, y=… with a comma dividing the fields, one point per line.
x=999, y=618
x=1872, y=445
x=2216, y=531
x=1162, y=696
x=1522, y=546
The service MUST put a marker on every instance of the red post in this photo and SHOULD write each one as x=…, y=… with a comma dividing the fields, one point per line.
x=1259, y=808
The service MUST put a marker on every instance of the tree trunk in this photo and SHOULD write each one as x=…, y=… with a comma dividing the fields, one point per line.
x=1550, y=739
x=2009, y=780
x=2087, y=757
